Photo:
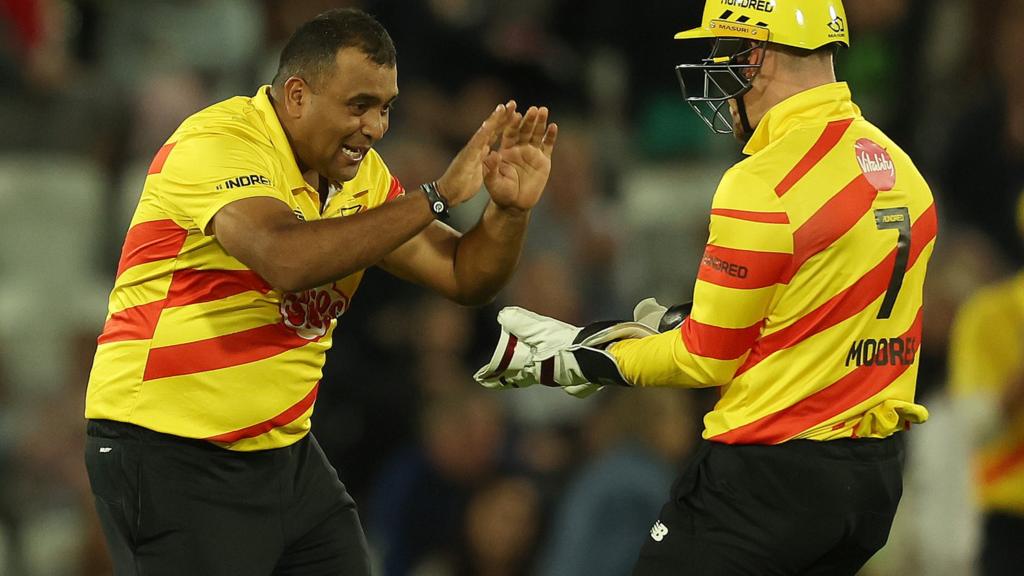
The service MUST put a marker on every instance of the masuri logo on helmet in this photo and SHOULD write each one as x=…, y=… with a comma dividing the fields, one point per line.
x=738, y=27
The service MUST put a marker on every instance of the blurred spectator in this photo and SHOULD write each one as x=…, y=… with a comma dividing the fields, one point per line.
x=36, y=40
x=983, y=171
x=501, y=527
x=987, y=379
x=636, y=444
x=421, y=496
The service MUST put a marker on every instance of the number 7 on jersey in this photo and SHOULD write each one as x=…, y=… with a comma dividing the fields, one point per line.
x=887, y=219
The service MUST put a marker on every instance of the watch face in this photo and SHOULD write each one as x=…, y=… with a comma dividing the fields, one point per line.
x=438, y=207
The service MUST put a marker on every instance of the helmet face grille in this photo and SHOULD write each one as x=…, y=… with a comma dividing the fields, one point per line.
x=722, y=76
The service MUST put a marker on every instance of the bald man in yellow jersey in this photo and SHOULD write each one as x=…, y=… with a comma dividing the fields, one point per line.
x=806, y=313
x=256, y=221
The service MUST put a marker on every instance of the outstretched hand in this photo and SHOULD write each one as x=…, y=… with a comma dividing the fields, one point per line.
x=464, y=176
x=517, y=172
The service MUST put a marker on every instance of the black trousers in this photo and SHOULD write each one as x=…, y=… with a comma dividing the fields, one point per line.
x=176, y=506
x=1002, y=544
x=802, y=507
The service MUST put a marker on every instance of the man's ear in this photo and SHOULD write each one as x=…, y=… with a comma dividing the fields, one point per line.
x=758, y=51
x=295, y=96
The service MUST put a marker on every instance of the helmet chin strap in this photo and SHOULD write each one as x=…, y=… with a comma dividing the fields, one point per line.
x=748, y=130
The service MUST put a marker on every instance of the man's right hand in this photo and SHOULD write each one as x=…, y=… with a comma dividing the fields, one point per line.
x=465, y=175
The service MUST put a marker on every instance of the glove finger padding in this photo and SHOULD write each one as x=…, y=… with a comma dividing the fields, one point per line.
x=648, y=312
x=510, y=357
x=543, y=335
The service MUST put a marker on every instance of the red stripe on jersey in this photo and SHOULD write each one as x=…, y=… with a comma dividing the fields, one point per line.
x=191, y=286
x=161, y=157
x=187, y=287
x=850, y=301
x=149, y=242
x=843, y=394
x=1003, y=466
x=766, y=217
x=826, y=142
x=134, y=323
x=286, y=417
x=835, y=218
x=222, y=351
x=745, y=269
x=718, y=343
x=396, y=190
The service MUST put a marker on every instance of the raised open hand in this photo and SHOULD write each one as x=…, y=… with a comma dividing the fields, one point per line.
x=464, y=176
x=516, y=173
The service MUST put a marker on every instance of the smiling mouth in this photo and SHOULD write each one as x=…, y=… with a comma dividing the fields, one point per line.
x=354, y=154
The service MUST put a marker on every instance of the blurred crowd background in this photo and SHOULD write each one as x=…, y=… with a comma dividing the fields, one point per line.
x=453, y=479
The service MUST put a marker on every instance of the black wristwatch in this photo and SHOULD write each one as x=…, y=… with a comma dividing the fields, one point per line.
x=438, y=205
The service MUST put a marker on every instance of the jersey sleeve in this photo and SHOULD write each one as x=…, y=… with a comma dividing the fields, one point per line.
x=748, y=253
x=204, y=173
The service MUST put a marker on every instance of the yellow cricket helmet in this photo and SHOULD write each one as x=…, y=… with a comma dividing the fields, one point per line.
x=808, y=24
x=737, y=28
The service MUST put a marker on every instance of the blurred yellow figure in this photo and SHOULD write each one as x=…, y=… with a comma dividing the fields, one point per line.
x=987, y=378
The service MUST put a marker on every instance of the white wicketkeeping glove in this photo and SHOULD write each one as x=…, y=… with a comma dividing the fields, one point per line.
x=535, y=349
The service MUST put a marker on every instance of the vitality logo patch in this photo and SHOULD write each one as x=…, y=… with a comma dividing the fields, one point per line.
x=311, y=312
x=876, y=164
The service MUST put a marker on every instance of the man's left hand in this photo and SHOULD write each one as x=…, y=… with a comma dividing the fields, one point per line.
x=517, y=172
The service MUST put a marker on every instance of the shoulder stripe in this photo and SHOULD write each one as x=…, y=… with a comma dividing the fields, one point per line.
x=157, y=165
x=719, y=343
x=149, y=242
x=855, y=387
x=826, y=142
x=282, y=419
x=766, y=217
x=396, y=189
x=745, y=269
x=847, y=303
x=222, y=351
x=839, y=214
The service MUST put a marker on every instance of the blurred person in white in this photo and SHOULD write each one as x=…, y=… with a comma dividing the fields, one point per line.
x=806, y=313
x=987, y=384
x=256, y=222
x=634, y=444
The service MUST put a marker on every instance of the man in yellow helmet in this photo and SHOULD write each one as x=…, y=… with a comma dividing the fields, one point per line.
x=806, y=313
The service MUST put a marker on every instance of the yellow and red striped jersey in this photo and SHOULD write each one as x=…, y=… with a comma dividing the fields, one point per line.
x=807, y=304
x=986, y=356
x=195, y=344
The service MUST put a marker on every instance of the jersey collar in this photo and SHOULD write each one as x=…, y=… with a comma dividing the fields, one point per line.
x=278, y=138
x=820, y=104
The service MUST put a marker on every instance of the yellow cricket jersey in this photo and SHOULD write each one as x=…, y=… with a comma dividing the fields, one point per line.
x=807, y=305
x=986, y=355
x=195, y=343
